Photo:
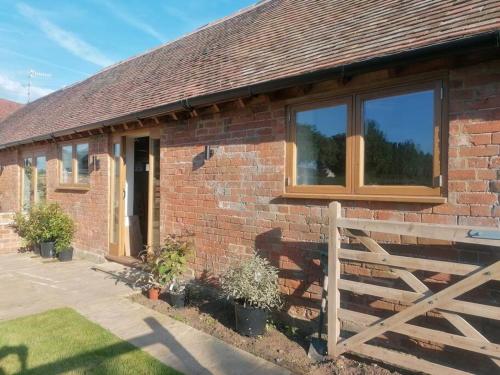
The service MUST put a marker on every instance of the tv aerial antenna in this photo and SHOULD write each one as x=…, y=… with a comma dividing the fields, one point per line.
x=34, y=74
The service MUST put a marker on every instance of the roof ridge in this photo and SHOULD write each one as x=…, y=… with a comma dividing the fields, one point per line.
x=201, y=28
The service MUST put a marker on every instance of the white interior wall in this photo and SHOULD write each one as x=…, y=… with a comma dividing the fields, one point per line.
x=129, y=183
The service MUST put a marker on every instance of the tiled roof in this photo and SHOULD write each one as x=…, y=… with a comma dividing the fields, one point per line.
x=271, y=40
x=7, y=107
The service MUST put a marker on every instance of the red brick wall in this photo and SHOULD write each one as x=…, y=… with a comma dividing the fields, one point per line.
x=9, y=181
x=89, y=208
x=232, y=202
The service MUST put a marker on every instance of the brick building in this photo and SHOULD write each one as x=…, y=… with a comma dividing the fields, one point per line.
x=243, y=131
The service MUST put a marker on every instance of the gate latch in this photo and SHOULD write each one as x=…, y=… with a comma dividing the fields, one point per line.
x=485, y=234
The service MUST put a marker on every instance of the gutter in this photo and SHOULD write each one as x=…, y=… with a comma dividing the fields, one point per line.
x=485, y=40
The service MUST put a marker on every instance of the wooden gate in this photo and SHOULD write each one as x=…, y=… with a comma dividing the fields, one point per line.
x=420, y=299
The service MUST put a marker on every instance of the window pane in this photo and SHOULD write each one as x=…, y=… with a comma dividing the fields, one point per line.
x=399, y=139
x=82, y=157
x=27, y=183
x=321, y=146
x=67, y=164
x=41, y=179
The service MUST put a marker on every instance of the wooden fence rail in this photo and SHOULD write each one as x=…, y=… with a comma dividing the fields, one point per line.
x=420, y=299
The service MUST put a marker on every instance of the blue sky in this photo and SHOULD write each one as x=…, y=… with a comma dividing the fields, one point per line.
x=69, y=41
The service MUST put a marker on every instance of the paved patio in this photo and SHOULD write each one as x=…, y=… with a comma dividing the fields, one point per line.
x=31, y=285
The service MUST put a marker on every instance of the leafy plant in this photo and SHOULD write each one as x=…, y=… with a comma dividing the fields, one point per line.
x=45, y=222
x=166, y=263
x=254, y=283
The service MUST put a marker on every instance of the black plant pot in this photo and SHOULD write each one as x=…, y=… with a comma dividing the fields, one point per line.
x=177, y=300
x=36, y=248
x=250, y=321
x=47, y=249
x=65, y=255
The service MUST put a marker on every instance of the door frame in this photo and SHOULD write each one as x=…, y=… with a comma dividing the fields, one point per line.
x=118, y=249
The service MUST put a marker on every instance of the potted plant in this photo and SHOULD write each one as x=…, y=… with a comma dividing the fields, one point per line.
x=165, y=265
x=53, y=229
x=63, y=230
x=28, y=228
x=253, y=286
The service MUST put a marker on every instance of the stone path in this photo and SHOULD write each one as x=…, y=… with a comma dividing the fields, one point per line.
x=30, y=285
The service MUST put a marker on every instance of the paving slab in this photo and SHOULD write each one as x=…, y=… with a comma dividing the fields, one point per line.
x=31, y=285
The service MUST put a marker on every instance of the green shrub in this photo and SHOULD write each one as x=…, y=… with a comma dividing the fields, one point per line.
x=165, y=264
x=45, y=222
x=253, y=282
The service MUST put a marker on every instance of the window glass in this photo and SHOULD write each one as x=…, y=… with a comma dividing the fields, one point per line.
x=398, y=137
x=27, y=183
x=67, y=164
x=41, y=180
x=321, y=145
x=82, y=157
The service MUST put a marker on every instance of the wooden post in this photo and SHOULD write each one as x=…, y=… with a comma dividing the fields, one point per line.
x=334, y=214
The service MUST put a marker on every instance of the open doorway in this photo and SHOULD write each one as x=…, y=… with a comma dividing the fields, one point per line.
x=138, y=194
x=135, y=194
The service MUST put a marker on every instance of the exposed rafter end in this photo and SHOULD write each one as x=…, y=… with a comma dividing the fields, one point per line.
x=174, y=116
x=193, y=113
x=215, y=108
x=125, y=126
x=141, y=124
x=155, y=119
x=240, y=103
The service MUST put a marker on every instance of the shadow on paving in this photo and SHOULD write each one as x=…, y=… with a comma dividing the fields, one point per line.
x=159, y=335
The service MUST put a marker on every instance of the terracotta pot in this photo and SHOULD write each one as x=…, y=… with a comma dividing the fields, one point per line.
x=153, y=294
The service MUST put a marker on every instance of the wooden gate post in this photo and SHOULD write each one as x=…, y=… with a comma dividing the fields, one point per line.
x=334, y=213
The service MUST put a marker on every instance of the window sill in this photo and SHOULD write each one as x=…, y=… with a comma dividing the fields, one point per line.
x=73, y=187
x=368, y=197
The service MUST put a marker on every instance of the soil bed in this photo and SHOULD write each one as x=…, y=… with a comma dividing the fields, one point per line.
x=283, y=345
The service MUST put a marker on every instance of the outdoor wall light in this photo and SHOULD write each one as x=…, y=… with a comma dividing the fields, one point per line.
x=96, y=163
x=209, y=151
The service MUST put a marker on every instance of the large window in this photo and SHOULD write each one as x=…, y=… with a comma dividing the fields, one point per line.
x=74, y=164
x=376, y=144
x=34, y=180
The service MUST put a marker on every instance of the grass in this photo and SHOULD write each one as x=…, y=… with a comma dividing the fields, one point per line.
x=62, y=341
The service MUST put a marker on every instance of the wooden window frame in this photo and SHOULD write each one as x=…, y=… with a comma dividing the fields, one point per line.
x=74, y=185
x=355, y=189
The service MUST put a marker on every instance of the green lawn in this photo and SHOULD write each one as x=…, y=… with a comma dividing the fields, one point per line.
x=64, y=342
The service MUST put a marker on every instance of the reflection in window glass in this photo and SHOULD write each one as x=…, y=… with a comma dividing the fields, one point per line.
x=67, y=164
x=321, y=146
x=27, y=183
x=82, y=157
x=398, y=135
x=41, y=180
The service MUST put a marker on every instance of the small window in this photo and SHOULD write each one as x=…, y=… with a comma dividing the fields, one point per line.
x=82, y=157
x=67, y=164
x=41, y=179
x=367, y=145
x=74, y=164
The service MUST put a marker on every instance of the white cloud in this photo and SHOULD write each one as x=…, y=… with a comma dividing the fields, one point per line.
x=133, y=21
x=19, y=92
x=64, y=38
